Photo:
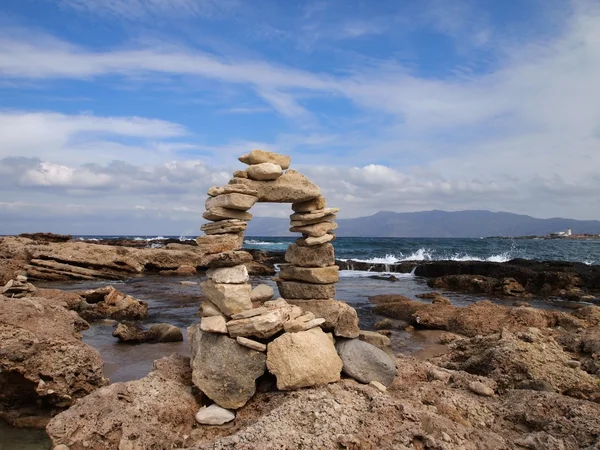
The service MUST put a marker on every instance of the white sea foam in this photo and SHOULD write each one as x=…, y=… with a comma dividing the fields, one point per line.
x=424, y=254
x=157, y=238
x=365, y=273
x=256, y=242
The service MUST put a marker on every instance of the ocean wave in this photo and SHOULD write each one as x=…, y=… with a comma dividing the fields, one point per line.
x=256, y=242
x=157, y=238
x=424, y=254
x=365, y=273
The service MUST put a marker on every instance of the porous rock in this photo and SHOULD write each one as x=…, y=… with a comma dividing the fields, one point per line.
x=261, y=156
x=109, y=303
x=315, y=230
x=303, y=359
x=261, y=326
x=316, y=275
x=228, y=259
x=219, y=243
x=240, y=202
x=339, y=317
x=365, y=362
x=310, y=241
x=310, y=205
x=225, y=226
x=214, y=415
x=231, y=189
x=314, y=256
x=214, y=324
x=219, y=213
x=262, y=293
x=264, y=172
x=165, y=332
x=223, y=369
x=229, y=275
x=229, y=298
x=288, y=188
x=298, y=290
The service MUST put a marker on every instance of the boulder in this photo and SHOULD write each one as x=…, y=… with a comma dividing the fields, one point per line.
x=154, y=412
x=240, y=202
x=229, y=298
x=229, y=275
x=261, y=326
x=264, y=172
x=228, y=259
x=231, y=189
x=310, y=205
x=314, y=256
x=302, y=223
x=310, y=241
x=316, y=275
x=109, y=303
x=365, y=362
x=262, y=293
x=339, y=317
x=42, y=358
x=298, y=290
x=303, y=359
x=224, y=226
x=377, y=339
x=165, y=332
x=223, y=369
x=315, y=230
x=219, y=243
x=261, y=156
x=132, y=334
x=219, y=213
x=214, y=324
x=289, y=188
x=214, y=415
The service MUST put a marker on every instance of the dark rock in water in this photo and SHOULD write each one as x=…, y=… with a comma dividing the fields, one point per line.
x=364, y=362
x=109, y=303
x=401, y=267
x=165, y=332
x=47, y=237
x=160, y=332
x=384, y=277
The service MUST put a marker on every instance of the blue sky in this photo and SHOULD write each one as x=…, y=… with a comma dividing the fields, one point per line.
x=117, y=115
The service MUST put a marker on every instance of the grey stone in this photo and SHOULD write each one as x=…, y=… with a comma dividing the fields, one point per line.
x=262, y=293
x=214, y=415
x=229, y=275
x=365, y=362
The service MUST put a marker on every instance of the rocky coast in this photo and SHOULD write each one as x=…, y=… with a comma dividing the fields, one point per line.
x=297, y=371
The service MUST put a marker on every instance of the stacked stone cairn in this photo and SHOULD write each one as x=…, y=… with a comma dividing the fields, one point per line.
x=306, y=337
x=18, y=288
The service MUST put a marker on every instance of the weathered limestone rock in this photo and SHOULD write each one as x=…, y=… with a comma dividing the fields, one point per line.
x=303, y=359
x=288, y=188
x=261, y=156
x=218, y=213
x=132, y=334
x=310, y=205
x=165, y=332
x=310, y=241
x=250, y=313
x=214, y=324
x=315, y=256
x=228, y=259
x=315, y=230
x=262, y=326
x=317, y=275
x=225, y=226
x=229, y=298
x=208, y=309
x=229, y=275
x=231, y=189
x=296, y=290
x=109, y=303
x=155, y=412
x=214, y=415
x=340, y=317
x=313, y=215
x=224, y=370
x=377, y=339
x=365, y=362
x=479, y=388
x=218, y=243
x=262, y=293
x=264, y=172
x=254, y=345
x=240, y=202
x=240, y=174
x=304, y=223
x=294, y=326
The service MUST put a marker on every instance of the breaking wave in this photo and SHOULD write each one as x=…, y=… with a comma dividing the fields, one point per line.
x=424, y=254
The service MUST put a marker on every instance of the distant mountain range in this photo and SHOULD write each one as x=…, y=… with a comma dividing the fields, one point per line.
x=436, y=224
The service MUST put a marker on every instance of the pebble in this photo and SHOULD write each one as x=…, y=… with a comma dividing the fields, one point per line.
x=481, y=389
x=251, y=344
x=377, y=385
x=214, y=415
x=573, y=364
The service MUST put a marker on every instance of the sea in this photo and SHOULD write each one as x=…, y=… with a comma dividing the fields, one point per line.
x=174, y=302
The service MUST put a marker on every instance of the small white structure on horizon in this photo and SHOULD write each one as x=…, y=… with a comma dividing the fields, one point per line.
x=561, y=233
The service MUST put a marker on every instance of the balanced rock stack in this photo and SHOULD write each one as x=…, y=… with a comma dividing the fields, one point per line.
x=18, y=288
x=243, y=334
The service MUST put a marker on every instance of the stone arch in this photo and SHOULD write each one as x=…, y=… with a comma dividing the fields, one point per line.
x=310, y=275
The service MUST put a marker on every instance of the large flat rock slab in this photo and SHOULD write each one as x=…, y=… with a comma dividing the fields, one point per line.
x=291, y=187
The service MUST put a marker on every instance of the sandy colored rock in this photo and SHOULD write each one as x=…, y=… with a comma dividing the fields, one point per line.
x=240, y=202
x=133, y=334
x=228, y=259
x=365, y=362
x=295, y=326
x=254, y=345
x=377, y=385
x=303, y=223
x=231, y=189
x=208, y=309
x=481, y=389
x=151, y=413
x=315, y=256
x=42, y=357
x=262, y=326
x=300, y=290
x=377, y=339
x=340, y=317
x=303, y=359
x=224, y=370
x=316, y=230
x=314, y=204
x=229, y=275
x=224, y=226
x=214, y=415
x=316, y=275
x=288, y=188
x=264, y=172
x=214, y=324
x=261, y=156
x=250, y=313
x=310, y=241
x=109, y=303
x=229, y=298
x=262, y=293
x=165, y=332
x=218, y=213
x=219, y=243
x=312, y=215
x=240, y=174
